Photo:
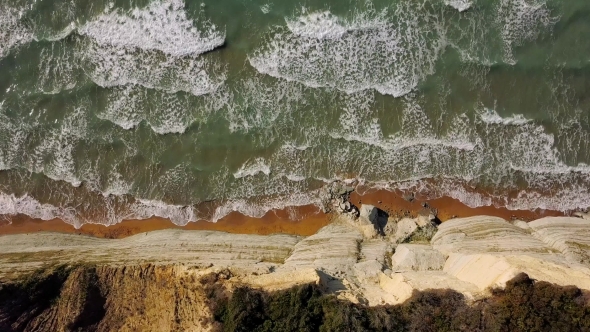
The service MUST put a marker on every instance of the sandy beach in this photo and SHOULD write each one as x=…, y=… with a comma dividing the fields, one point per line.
x=275, y=221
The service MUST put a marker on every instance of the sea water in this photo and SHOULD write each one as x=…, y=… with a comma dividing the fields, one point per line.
x=113, y=110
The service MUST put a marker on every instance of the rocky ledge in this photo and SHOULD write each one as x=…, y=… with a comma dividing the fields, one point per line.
x=363, y=257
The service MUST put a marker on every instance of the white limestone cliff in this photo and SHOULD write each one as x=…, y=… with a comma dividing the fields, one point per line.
x=468, y=255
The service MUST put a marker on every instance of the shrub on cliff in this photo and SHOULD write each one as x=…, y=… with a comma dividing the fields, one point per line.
x=440, y=310
x=524, y=305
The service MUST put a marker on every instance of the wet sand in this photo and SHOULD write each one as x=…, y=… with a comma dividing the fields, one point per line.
x=447, y=208
x=310, y=218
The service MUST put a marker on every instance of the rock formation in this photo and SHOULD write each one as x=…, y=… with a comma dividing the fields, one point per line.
x=571, y=236
x=468, y=255
x=417, y=257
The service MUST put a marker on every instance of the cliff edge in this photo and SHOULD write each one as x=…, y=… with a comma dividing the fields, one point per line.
x=162, y=280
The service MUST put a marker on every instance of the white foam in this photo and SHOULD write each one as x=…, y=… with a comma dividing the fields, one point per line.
x=416, y=133
x=162, y=26
x=266, y=8
x=522, y=21
x=263, y=103
x=291, y=145
x=490, y=34
x=110, y=66
x=490, y=116
x=460, y=5
x=178, y=214
x=318, y=25
x=54, y=157
x=157, y=47
x=60, y=34
x=116, y=185
x=13, y=32
x=368, y=51
x=12, y=137
x=57, y=70
x=261, y=206
x=10, y=204
x=295, y=177
x=165, y=113
x=563, y=198
x=252, y=167
x=128, y=106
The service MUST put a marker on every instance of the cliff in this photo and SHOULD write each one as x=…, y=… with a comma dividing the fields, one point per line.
x=164, y=280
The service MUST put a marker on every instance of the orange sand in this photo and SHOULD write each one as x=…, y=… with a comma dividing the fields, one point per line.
x=276, y=221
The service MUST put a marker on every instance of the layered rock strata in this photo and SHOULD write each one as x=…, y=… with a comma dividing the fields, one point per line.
x=469, y=255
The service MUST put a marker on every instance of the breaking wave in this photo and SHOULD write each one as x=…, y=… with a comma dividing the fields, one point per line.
x=367, y=51
x=398, y=98
x=161, y=26
x=13, y=31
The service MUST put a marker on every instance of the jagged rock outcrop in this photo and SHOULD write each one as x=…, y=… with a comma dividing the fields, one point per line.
x=368, y=214
x=335, y=197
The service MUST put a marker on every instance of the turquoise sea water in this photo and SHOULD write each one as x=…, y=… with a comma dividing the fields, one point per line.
x=127, y=109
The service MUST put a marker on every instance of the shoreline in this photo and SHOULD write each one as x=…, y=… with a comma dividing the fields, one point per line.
x=274, y=221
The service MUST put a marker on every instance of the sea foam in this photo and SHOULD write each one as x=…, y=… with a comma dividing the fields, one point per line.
x=162, y=26
x=522, y=21
x=460, y=5
x=13, y=32
x=165, y=113
x=111, y=66
x=490, y=116
x=252, y=167
x=158, y=48
x=367, y=51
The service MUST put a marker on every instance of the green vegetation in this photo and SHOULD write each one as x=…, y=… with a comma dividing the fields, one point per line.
x=524, y=305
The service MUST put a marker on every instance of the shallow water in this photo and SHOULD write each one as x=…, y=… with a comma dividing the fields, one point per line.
x=131, y=109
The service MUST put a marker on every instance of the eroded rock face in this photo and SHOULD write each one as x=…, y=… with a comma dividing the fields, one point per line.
x=488, y=251
x=484, y=234
x=334, y=249
x=254, y=253
x=283, y=279
x=416, y=257
x=571, y=236
x=368, y=214
x=468, y=255
x=401, y=285
x=135, y=298
x=404, y=229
